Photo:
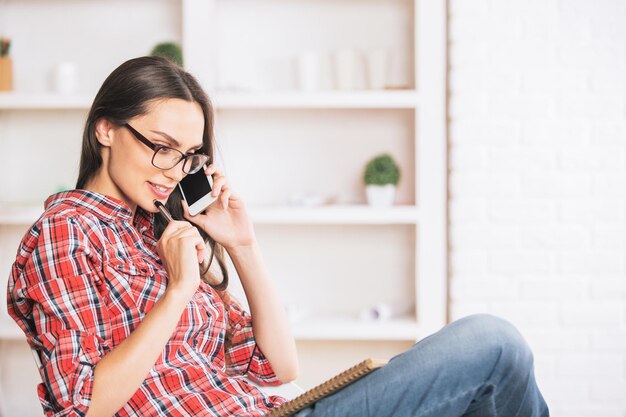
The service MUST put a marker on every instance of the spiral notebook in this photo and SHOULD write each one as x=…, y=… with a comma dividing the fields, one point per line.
x=326, y=388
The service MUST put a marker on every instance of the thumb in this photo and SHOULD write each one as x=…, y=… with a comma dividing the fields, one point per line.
x=201, y=252
x=194, y=219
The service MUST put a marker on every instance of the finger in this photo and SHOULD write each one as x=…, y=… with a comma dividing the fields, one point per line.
x=209, y=169
x=196, y=219
x=201, y=251
x=175, y=225
x=225, y=197
x=185, y=209
x=213, y=169
x=191, y=232
x=195, y=240
x=191, y=239
x=188, y=230
x=234, y=196
x=218, y=184
x=185, y=225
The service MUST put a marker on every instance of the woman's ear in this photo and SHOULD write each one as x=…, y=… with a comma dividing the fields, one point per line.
x=104, y=132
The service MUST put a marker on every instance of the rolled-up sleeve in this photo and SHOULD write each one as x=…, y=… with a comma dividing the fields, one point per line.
x=58, y=298
x=243, y=356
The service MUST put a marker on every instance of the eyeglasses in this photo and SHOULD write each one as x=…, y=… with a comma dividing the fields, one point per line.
x=167, y=158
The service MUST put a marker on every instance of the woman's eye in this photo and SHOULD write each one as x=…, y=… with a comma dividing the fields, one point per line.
x=166, y=151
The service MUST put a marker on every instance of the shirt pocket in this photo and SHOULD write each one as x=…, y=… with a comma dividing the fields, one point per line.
x=137, y=280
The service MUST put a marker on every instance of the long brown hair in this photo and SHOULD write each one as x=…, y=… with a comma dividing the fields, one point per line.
x=126, y=93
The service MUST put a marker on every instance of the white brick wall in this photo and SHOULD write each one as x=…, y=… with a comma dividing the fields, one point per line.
x=538, y=186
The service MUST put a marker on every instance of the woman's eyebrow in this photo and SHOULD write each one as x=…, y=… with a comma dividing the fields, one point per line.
x=173, y=141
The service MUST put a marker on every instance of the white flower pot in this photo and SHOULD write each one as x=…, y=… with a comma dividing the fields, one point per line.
x=380, y=195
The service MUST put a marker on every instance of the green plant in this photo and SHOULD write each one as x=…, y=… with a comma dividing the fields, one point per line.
x=381, y=170
x=169, y=50
x=5, y=46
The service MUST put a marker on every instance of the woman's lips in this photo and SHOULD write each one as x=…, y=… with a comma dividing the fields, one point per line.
x=160, y=191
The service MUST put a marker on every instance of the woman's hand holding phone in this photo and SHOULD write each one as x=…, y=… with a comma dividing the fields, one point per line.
x=226, y=220
x=181, y=249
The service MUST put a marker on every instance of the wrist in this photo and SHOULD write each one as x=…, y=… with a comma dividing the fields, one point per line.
x=243, y=252
x=176, y=297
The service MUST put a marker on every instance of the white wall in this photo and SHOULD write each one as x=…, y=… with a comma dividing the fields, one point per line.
x=538, y=186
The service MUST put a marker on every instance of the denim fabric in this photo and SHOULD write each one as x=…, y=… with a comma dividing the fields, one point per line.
x=478, y=366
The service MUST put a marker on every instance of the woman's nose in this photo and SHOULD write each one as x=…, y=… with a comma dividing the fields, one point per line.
x=176, y=172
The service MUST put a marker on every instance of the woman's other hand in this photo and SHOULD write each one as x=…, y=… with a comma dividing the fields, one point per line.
x=181, y=249
x=226, y=220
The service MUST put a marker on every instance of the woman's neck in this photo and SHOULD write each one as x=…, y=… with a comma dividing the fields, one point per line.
x=103, y=184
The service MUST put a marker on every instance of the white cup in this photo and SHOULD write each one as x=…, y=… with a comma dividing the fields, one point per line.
x=308, y=70
x=345, y=65
x=377, y=68
x=65, y=78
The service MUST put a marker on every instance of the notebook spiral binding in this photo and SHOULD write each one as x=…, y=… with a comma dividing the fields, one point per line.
x=331, y=386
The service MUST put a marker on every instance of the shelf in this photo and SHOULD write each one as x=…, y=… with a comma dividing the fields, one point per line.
x=25, y=214
x=352, y=329
x=389, y=99
x=334, y=214
x=44, y=101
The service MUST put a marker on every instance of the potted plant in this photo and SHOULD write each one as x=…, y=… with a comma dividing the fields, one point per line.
x=381, y=178
x=6, y=65
x=169, y=50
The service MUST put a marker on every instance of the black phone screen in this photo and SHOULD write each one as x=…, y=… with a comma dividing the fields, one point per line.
x=195, y=186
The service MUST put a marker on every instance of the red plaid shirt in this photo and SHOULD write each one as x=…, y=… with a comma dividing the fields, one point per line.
x=85, y=275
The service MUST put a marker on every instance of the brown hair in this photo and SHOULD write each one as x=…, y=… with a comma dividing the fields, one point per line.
x=128, y=92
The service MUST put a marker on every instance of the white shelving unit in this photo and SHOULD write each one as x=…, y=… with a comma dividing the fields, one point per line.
x=425, y=99
x=345, y=329
x=331, y=214
x=412, y=234
x=37, y=101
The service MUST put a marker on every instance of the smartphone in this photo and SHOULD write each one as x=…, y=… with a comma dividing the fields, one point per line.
x=196, y=189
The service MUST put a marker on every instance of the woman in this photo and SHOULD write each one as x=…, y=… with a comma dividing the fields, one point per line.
x=126, y=322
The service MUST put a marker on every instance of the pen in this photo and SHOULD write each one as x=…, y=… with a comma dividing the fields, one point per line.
x=164, y=211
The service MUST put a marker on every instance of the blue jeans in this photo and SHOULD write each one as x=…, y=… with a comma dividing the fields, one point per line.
x=478, y=366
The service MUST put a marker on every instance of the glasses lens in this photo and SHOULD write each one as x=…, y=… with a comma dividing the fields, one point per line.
x=194, y=163
x=166, y=158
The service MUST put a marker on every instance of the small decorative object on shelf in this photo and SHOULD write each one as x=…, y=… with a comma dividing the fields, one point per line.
x=308, y=70
x=346, y=65
x=6, y=65
x=170, y=50
x=302, y=199
x=381, y=178
x=383, y=311
x=377, y=68
x=64, y=78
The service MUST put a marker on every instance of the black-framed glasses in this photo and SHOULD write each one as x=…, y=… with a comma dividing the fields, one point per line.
x=166, y=157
